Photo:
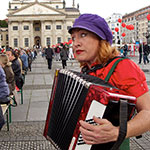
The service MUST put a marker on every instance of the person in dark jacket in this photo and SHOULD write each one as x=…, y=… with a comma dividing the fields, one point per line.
x=4, y=93
x=146, y=53
x=6, y=65
x=140, y=53
x=13, y=58
x=64, y=56
x=125, y=50
x=49, y=56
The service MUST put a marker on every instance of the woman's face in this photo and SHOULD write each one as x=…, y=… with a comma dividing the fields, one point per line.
x=85, y=45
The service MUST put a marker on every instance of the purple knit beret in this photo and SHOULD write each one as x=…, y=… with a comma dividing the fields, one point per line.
x=95, y=24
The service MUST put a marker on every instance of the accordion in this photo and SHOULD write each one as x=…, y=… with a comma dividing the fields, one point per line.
x=76, y=96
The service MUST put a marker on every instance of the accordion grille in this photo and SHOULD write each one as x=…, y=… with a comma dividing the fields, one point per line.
x=69, y=98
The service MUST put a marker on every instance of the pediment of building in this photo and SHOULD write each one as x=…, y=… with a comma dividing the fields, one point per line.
x=36, y=9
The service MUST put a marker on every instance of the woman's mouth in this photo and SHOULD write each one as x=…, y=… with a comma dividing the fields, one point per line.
x=79, y=52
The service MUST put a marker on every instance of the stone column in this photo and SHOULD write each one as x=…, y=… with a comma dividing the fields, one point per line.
x=9, y=34
x=21, y=39
x=31, y=35
x=42, y=33
x=64, y=31
x=54, y=40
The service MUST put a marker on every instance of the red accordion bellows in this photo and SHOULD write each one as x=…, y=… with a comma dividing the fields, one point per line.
x=77, y=97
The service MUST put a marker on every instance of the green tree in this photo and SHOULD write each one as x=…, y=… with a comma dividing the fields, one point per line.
x=3, y=23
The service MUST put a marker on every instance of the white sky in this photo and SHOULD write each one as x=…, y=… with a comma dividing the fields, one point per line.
x=104, y=8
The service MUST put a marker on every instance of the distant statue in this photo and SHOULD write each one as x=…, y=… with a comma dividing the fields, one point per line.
x=64, y=4
x=73, y=3
x=78, y=6
x=9, y=5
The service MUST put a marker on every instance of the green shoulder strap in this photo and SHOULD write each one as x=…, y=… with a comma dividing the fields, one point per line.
x=113, y=68
x=125, y=144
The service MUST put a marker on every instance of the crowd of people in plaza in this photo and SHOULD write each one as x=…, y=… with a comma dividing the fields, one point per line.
x=142, y=48
x=93, y=50
x=61, y=52
x=144, y=51
x=14, y=65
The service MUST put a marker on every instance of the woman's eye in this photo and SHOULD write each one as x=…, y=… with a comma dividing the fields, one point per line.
x=73, y=38
x=83, y=34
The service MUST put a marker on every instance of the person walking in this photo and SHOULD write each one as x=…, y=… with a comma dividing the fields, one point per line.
x=57, y=53
x=92, y=40
x=30, y=59
x=71, y=55
x=146, y=53
x=49, y=56
x=64, y=56
x=140, y=53
x=125, y=50
x=24, y=59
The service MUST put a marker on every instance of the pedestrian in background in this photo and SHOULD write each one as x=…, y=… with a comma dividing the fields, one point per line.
x=49, y=56
x=71, y=55
x=4, y=93
x=125, y=48
x=146, y=52
x=16, y=67
x=140, y=53
x=6, y=65
x=24, y=59
x=30, y=59
x=57, y=53
x=64, y=56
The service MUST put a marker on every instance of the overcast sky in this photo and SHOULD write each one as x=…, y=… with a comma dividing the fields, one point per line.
x=104, y=8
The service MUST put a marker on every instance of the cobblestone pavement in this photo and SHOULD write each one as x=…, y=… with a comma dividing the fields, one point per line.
x=26, y=130
x=29, y=136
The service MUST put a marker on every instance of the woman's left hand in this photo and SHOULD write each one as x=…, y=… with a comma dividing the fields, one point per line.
x=103, y=132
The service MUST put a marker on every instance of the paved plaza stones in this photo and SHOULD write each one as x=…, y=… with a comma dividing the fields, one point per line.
x=28, y=119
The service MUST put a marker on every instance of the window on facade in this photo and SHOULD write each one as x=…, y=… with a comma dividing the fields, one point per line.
x=47, y=27
x=26, y=42
x=15, y=27
x=6, y=37
x=37, y=28
x=1, y=37
x=69, y=39
x=48, y=41
x=26, y=27
x=58, y=27
x=68, y=27
x=59, y=40
x=15, y=42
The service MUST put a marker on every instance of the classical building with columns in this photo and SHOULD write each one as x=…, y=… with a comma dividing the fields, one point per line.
x=39, y=22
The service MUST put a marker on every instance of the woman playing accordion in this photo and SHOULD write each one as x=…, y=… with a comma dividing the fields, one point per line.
x=92, y=41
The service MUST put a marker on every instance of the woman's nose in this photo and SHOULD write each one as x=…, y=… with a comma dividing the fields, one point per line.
x=77, y=42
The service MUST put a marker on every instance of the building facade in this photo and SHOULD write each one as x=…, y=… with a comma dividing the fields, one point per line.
x=113, y=23
x=3, y=37
x=139, y=20
x=39, y=22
